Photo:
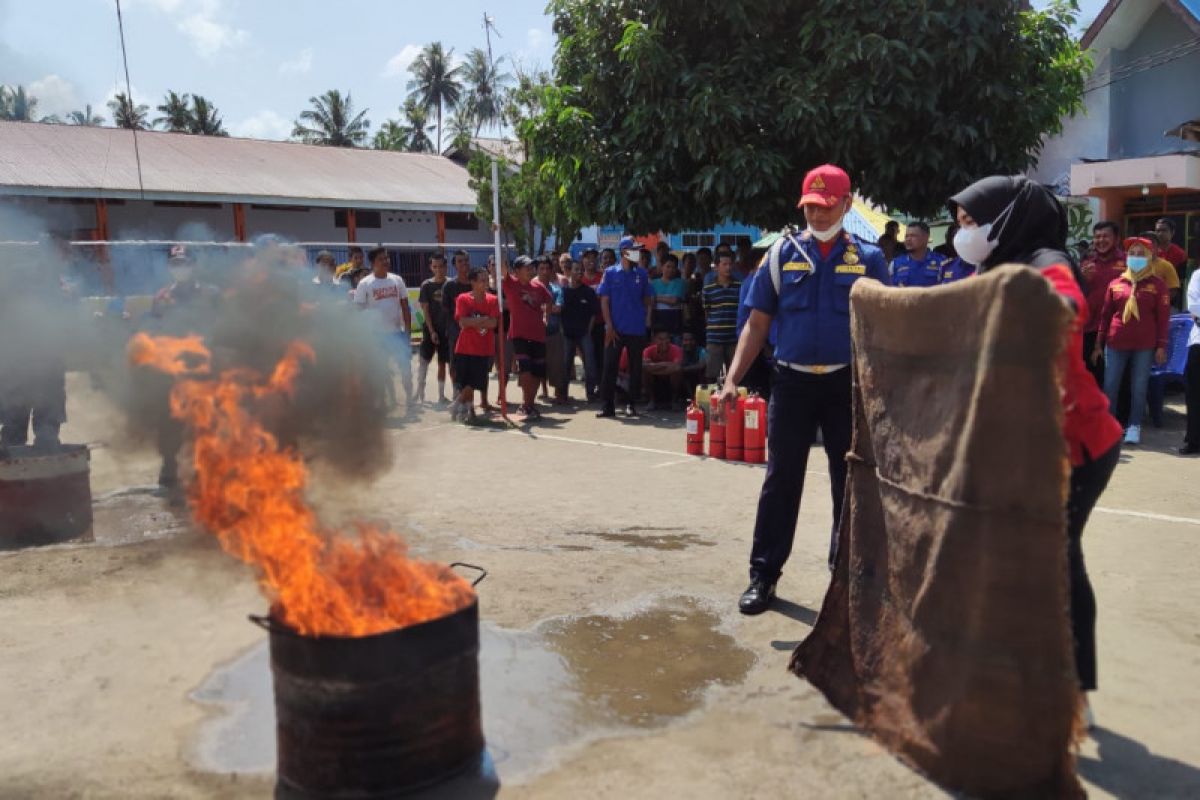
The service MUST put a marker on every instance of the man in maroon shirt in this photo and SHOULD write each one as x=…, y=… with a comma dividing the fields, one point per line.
x=1102, y=266
x=1164, y=232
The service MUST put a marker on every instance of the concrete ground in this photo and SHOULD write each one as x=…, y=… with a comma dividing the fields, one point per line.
x=615, y=663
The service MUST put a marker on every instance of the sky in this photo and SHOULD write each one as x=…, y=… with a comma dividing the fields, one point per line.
x=258, y=60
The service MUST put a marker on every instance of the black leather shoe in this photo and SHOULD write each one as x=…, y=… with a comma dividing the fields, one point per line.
x=757, y=597
x=608, y=411
x=1189, y=449
x=630, y=411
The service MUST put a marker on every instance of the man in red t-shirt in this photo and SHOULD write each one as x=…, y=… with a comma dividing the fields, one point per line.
x=477, y=314
x=526, y=302
x=662, y=370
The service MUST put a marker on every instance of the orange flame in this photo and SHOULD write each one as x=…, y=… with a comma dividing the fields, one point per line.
x=250, y=492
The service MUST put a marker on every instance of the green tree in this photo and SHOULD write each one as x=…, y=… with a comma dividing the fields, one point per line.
x=461, y=128
x=18, y=105
x=419, y=128
x=391, y=135
x=205, y=119
x=176, y=113
x=485, y=86
x=789, y=86
x=332, y=121
x=85, y=117
x=435, y=84
x=532, y=199
x=127, y=114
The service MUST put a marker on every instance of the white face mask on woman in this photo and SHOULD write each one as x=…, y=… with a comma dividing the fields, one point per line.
x=972, y=244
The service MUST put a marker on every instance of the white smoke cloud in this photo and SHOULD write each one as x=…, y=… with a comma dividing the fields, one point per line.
x=300, y=65
x=55, y=95
x=266, y=124
x=397, y=65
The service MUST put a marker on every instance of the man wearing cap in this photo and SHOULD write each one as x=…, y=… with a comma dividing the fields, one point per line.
x=919, y=266
x=626, y=301
x=804, y=288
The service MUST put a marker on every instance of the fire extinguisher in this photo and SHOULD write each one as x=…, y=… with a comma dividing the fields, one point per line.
x=735, y=429
x=695, y=430
x=754, y=418
x=716, y=429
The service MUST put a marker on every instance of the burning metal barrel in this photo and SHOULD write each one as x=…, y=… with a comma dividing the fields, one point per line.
x=45, y=497
x=376, y=716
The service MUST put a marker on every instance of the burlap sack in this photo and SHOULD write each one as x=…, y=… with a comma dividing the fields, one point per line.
x=944, y=633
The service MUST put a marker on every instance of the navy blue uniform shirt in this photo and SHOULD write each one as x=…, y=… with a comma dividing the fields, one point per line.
x=812, y=306
x=626, y=290
x=909, y=271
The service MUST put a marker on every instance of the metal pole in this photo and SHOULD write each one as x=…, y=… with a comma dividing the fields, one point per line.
x=501, y=365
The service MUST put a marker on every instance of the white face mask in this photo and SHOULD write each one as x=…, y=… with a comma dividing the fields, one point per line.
x=973, y=245
x=827, y=235
x=632, y=255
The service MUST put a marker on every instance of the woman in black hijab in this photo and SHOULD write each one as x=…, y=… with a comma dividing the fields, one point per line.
x=1004, y=220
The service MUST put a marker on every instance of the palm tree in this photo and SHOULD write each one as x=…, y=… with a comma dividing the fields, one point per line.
x=418, y=127
x=391, y=135
x=435, y=84
x=85, y=117
x=205, y=119
x=16, y=104
x=332, y=121
x=126, y=114
x=485, y=88
x=176, y=116
x=461, y=127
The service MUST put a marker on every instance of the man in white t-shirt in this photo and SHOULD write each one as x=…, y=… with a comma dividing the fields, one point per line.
x=386, y=295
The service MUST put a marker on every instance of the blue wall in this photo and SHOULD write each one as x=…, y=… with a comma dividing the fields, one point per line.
x=1155, y=100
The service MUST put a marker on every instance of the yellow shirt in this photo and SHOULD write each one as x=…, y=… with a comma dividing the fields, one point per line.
x=1166, y=271
x=343, y=269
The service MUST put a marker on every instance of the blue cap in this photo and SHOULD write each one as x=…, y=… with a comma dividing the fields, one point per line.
x=629, y=243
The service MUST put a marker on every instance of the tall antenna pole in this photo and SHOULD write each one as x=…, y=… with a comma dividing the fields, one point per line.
x=137, y=154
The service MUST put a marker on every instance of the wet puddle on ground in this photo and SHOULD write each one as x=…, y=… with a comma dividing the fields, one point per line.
x=649, y=538
x=545, y=691
x=137, y=514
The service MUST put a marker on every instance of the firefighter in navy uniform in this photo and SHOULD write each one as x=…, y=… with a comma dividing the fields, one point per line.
x=920, y=266
x=804, y=288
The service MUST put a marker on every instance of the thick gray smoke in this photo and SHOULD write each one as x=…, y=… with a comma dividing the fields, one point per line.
x=251, y=302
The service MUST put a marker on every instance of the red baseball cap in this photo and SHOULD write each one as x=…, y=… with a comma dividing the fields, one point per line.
x=825, y=186
x=1132, y=240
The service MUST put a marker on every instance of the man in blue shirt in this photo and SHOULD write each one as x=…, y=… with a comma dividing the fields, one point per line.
x=920, y=266
x=626, y=301
x=805, y=288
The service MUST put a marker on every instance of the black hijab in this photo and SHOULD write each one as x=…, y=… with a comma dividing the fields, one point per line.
x=1028, y=221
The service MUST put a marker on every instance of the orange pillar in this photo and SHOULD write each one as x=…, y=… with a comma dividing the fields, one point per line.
x=239, y=222
x=101, y=219
x=441, y=227
x=351, y=225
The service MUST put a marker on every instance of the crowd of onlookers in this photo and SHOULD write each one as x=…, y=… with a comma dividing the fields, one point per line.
x=661, y=323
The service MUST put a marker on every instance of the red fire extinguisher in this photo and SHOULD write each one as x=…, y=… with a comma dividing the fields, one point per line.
x=716, y=429
x=754, y=418
x=734, y=429
x=695, y=430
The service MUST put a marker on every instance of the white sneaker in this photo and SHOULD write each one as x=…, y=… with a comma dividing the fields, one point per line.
x=1133, y=434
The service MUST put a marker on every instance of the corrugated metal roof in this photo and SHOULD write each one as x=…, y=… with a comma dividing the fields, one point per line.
x=99, y=162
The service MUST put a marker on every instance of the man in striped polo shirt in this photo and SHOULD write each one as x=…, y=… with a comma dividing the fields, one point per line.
x=721, y=299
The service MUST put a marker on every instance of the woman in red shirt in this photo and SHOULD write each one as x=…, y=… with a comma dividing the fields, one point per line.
x=1006, y=220
x=1134, y=322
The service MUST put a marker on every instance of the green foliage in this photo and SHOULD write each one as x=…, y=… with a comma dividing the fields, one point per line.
x=332, y=121
x=85, y=116
x=176, y=114
x=410, y=136
x=531, y=195
x=205, y=119
x=485, y=85
x=435, y=84
x=127, y=114
x=675, y=114
x=17, y=105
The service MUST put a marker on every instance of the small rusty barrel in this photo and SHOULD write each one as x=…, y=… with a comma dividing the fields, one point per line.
x=376, y=716
x=45, y=496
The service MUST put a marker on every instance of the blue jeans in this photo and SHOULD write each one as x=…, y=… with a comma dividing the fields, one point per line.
x=1139, y=363
x=590, y=378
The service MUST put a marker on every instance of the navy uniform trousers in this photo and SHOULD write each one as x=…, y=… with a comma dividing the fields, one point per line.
x=800, y=403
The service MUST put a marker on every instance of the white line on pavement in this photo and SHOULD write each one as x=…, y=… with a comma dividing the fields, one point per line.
x=1124, y=512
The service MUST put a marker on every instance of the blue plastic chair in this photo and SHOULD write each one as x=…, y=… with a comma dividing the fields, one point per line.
x=1172, y=371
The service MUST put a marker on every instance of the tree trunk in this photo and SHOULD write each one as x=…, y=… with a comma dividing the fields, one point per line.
x=439, y=128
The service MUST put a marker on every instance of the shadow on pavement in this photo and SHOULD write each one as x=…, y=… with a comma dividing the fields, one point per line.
x=1126, y=768
x=794, y=611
